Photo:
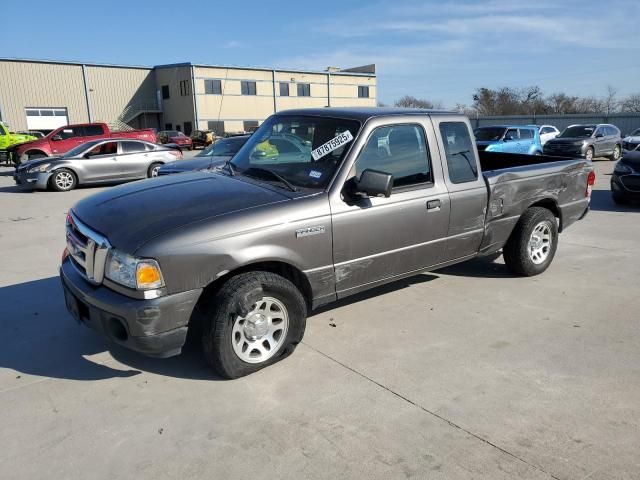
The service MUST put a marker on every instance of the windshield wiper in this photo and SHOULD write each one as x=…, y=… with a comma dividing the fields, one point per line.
x=273, y=174
x=229, y=165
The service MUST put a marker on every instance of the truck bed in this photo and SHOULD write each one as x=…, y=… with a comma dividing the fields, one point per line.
x=516, y=181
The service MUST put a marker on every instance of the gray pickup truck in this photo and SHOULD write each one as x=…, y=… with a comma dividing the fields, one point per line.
x=319, y=204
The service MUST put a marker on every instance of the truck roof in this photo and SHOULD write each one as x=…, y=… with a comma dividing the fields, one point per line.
x=363, y=113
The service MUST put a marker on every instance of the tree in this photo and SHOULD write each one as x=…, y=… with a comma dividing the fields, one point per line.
x=610, y=101
x=412, y=102
x=631, y=103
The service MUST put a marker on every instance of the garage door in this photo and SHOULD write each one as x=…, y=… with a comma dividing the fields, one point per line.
x=46, y=118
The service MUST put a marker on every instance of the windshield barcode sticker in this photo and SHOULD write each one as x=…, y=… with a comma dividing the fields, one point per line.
x=331, y=145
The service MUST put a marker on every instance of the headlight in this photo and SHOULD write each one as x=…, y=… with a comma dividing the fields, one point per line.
x=133, y=272
x=40, y=168
x=622, y=169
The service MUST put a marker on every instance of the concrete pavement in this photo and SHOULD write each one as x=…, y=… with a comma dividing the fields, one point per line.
x=467, y=372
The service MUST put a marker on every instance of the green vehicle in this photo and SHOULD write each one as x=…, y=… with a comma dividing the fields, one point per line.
x=8, y=140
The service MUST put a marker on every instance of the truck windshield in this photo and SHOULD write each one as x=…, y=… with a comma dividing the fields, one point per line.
x=578, y=131
x=80, y=149
x=489, y=134
x=304, y=151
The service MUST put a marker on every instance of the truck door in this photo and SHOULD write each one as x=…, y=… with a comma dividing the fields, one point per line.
x=375, y=239
x=67, y=138
x=467, y=189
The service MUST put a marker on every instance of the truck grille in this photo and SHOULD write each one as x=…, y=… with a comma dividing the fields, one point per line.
x=88, y=249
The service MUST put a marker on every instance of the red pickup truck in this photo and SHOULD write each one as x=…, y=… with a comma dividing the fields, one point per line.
x=65, y=138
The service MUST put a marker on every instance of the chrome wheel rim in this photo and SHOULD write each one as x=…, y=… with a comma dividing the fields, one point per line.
x=64, y=180
x=589, y=154
x=616, y=153
x=540, y=243
x=258, y=336
x=155, y=170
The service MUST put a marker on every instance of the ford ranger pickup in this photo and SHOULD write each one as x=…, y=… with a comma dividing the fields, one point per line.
x=317, y=205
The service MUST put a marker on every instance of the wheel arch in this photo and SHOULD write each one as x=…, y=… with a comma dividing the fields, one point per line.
x=552, y=205
x=279, y=267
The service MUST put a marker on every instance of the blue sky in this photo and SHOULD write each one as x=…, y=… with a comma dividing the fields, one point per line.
x=439, y=50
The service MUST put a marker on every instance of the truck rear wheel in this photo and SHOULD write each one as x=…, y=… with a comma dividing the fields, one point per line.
x=533, y=242
x=255, y=319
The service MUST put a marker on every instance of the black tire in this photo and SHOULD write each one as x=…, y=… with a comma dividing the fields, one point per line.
x=33, y=156
x=615, y=156
x=589, y=154
x=516, y=252
x=63, y=180
x=232, y=302
x=152, y=171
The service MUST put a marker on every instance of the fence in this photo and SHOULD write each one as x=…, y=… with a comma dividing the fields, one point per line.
x=626, y=122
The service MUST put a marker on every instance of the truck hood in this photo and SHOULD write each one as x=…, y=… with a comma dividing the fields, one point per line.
x=197, y=163
x=130, y=215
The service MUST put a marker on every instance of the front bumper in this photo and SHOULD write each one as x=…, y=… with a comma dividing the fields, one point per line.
x=157, y=327
x=38, y=181
x=627, y=186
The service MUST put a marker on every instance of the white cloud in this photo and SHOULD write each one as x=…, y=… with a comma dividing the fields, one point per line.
x=232, y=44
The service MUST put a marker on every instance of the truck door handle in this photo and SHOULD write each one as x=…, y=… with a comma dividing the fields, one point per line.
x=434, y=204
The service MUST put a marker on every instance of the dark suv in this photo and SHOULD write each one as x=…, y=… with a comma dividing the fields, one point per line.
x=587, y=141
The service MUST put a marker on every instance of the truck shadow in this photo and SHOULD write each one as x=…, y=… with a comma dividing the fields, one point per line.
x=38, y=337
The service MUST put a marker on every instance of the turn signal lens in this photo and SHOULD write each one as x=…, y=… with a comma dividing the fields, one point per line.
x=148, y=275
x=591, y=180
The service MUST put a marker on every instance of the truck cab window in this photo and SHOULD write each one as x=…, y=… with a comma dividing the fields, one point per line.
x=400, y=150
x=68, y=133
x=458, y=148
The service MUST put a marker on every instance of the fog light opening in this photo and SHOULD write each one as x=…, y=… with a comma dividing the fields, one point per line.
x=118, y=330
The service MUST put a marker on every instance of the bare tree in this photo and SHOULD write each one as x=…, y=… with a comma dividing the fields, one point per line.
x=412, y=102
x=631, y=103
x=610, y=101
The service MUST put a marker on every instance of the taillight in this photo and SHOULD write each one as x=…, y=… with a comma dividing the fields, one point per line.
x=591, y=180
x=176, y=153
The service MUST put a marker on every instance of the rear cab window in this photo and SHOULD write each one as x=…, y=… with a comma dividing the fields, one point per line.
x=92, y=130
x=459, y=152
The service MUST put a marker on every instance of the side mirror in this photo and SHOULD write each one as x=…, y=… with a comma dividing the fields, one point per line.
x=258, y=154
x=375, y=183
x=87, y=155
x=56, y=138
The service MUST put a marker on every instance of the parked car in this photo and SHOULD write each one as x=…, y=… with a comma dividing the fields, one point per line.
x=33, y=133
x=202, y=138
x=9, y=140
x=509, y=139
x=631, y=142
x=587, y=141
x=251, y=249
x=99, y=161
x=175, y=136
x=625, y=181
x=63, y=139
x=214, y=156
x=547, y=132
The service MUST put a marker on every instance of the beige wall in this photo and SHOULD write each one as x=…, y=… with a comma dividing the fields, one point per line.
x=177, y=109
x=232, y=107
x=113, y=89
x=31, y=84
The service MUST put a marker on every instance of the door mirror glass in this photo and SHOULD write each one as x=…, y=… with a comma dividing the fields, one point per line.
x=56, y=138
x=375, y=183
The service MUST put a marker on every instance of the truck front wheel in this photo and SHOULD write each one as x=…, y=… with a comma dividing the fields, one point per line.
x=255, y=319
x=533, y=242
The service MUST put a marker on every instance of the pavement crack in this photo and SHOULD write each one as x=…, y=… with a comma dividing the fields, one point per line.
x=434, y=414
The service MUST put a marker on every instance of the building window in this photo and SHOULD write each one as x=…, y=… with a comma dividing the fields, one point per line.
x=216, y=127
x=168, y=126
x=165, y=92
x=363, y=92
x=188, y=128
x=248, y=88
x=304, y=90
x=250, y=125
x=184, y=88
x=178, y=127
x=213, y=87
x=284, y=89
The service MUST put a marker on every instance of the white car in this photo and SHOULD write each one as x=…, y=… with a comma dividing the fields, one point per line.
x=631, y=141
x=547, y=132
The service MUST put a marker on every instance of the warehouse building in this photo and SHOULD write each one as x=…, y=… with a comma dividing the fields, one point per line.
x=43, y=95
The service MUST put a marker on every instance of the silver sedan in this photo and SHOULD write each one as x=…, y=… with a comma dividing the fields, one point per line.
x=99, y=161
